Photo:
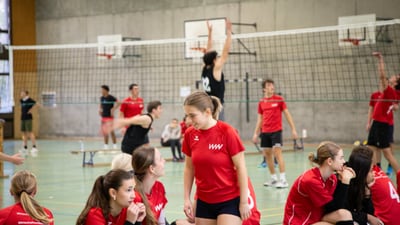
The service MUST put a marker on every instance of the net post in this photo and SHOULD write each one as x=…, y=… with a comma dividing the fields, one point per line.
x=247, y=98
x=1, y=149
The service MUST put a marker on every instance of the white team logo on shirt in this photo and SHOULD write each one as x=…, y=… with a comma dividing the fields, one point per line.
x=274, y=105
x=206, y=84
x=158, y=207
x=196, y=138
x=215, y=146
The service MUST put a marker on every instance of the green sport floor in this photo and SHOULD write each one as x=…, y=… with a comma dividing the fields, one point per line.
x=64, y=185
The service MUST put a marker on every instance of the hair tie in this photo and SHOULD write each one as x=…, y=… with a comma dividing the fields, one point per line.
x=315, y=157
x=20, y=193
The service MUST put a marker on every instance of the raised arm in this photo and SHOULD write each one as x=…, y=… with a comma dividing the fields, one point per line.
x=227, y=46
x=209, y=37
x=291, y=123
x=383, y=82
x=239, y=162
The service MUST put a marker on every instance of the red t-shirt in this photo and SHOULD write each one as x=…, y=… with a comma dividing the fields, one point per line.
x=211, y=152
x=385, y=198
x=271, y=111
x=255, y=214
x=157, y=199
x=131, y=107
x=307, y=197
x=16, y=214
x=95, y=217
x=376, y=97
x=383, y=108
x=183, y=127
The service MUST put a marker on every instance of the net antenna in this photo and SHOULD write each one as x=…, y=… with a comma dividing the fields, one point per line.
x=355, y=32
x=109, y=46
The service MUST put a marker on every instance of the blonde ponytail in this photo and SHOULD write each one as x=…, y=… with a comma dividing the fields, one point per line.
x=33, y=209
x=23, y=185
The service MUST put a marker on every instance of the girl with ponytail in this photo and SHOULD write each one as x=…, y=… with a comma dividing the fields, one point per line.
x=26, y=210
x=215, y=157
x=148, y=165
x=316, y=197
x=111, y=201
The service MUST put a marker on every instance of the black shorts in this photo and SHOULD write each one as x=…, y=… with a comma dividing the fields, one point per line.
x=379, y=135
x=391, y=133
x=269, y=140
x=212, y=211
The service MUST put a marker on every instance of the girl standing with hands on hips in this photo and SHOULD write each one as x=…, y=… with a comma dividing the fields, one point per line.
x=215, y=157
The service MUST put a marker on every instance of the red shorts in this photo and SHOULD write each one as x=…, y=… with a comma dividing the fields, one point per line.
x=106, y=119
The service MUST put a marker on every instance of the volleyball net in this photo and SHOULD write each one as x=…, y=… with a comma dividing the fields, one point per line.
x=313, y=64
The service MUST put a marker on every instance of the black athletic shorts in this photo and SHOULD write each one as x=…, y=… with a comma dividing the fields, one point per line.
x=379, y=135
x=270, y=140
x=391, y=133
x=212, y=211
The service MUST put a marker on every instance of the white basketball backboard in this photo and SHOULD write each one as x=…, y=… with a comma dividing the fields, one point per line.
x=197, y=33
x=109, y=46
x=362, y=34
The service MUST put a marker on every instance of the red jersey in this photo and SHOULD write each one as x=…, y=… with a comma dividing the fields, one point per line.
x=156, y=198
x=385, y=198
x=378, y=96
x=383, y=108
x=183, y=127
x=16, y=214
x=255, y=214
x=131, y=107
x=211, y=152
x=307, y=197
x=271, y=111
x=95, y=217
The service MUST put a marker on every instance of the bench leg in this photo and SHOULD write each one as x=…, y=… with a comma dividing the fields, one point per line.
x=90, y=160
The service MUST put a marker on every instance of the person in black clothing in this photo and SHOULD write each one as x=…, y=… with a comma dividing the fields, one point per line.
x=108, y=104
x=359, y=201
x=27, y=105
x=138, y=127
x=212, y=76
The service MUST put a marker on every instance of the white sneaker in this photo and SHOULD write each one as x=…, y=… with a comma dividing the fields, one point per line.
x=282, y=184
x=105, y=147
x=34, y=150
x=271, y=183
x=115, y=146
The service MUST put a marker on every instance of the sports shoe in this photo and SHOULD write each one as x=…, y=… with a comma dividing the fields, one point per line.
x=34, y=150
x=271, y=183
x=105, y=147
x=389, y=170
x=282, y=184
x=115, y=146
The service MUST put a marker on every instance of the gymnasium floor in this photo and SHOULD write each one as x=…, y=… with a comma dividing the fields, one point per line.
x=64, y=185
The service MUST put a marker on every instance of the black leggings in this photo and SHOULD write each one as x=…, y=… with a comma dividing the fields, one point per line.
x=176, y=144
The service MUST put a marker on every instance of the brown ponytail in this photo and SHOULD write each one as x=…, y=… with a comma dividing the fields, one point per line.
x=23, y=185
x=142, y=159
x=325, y=151
x=202, y=101
x=100, y=197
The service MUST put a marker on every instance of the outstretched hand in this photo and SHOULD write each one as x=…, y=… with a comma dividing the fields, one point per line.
x=209, y=26
x=377, y=54
x=228, y=25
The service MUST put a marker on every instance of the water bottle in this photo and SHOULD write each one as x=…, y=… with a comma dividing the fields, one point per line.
x=81, y=145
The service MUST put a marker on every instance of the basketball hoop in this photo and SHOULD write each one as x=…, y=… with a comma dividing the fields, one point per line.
x=353, y=41
x=104, y=56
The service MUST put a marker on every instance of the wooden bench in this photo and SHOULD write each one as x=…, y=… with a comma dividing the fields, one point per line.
x=91, y=154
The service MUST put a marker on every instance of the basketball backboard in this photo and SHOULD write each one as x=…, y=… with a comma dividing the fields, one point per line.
x=196, y=33
x=109, y=46
x=357, y=35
